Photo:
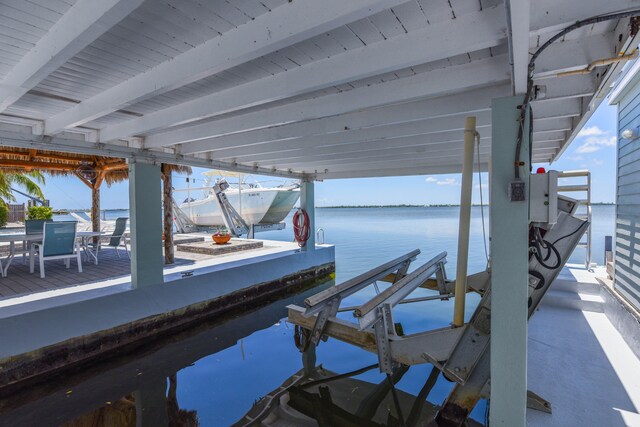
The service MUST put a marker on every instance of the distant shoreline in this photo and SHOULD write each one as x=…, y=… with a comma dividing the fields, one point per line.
x=417, y=206
x=66, y=211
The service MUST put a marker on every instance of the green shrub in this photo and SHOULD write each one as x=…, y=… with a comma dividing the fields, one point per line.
x=39, y=212
x=4, y=213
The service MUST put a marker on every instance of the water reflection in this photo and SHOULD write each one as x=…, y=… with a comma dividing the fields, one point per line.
x=148, y=406
x=217, y=373
x=213, y=374
x=142, y=388
x=324, y=398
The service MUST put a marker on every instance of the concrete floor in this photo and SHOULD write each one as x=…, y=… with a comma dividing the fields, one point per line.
x=579, y=361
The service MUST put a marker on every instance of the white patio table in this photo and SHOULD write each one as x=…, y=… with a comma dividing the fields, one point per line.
x=12, y=238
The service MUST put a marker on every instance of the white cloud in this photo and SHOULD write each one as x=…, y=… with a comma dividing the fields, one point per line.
x=591, y=131
x=596, y=143
x=598, y=162
x=443, y=181
x=576, y=158
x=448, y=181
x=594, y=139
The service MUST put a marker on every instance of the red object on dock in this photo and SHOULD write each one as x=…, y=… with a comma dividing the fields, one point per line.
x=301, y=229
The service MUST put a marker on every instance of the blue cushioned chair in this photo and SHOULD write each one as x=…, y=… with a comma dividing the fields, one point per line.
x=117, y=238
x=32, y=226
x=58, y=242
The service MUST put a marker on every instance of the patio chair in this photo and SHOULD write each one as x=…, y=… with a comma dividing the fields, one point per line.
x=117, y=238
x=32, y=226
x=58, y=242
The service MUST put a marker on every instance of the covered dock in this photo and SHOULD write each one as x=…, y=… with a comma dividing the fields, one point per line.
x=312, y=91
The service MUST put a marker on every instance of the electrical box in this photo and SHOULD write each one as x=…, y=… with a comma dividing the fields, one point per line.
x=543, y=198
x=517, y=191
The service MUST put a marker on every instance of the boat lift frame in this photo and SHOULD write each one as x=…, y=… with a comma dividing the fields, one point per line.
x=461, y=353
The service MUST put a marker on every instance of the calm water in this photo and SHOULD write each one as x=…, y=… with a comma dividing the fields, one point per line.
x=221, y=370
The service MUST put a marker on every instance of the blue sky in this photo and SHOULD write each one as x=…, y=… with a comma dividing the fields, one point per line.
x=593, y=149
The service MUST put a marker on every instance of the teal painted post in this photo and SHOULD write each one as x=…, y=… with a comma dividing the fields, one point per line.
x=145, y=202
x=509, y=269
x=307, y=202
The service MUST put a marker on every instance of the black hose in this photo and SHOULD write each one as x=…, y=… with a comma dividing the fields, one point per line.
x=526, y=103
x=538, y=244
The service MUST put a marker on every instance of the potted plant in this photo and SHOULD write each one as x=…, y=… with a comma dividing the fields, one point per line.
x=221, y=236
x=40, y=212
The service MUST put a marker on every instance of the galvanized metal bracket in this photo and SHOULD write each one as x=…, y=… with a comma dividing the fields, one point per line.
x=383, y=330
x=330, y=310
x=402, y=271
x=367, y=313
x=319, y=302
x=472, y=343
x=536, y=402
x=441, y=280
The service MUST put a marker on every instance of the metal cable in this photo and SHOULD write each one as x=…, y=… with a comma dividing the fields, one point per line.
x=526, y=103
x=339, y=376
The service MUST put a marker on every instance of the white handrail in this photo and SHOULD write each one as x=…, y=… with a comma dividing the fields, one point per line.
x=584, y=202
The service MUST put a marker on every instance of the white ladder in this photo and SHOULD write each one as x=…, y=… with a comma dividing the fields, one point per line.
x=585, y=202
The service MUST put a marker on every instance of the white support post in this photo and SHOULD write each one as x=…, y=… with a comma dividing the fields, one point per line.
x=465, y=221
x=509, y=269
x=307, y=202
x=145, y=202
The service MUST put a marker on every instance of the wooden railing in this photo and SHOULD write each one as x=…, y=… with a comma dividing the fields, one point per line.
x=16, y=213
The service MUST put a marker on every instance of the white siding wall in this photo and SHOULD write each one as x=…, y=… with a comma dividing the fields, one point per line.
x=627, y=251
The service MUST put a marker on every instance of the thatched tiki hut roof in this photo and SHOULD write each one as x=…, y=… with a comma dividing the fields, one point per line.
x=92, y=171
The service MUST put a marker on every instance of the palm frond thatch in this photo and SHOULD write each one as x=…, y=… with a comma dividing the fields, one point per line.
x=33, y=163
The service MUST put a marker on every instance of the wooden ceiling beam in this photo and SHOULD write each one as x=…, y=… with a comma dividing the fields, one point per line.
x=83, y=179
x=99, y=179
x=111, y=167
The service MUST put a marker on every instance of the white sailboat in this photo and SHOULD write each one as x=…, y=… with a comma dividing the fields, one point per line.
x=255, y=203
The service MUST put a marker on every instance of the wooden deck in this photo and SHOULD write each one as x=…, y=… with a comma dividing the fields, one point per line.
x=21, y=287
x=20, y=282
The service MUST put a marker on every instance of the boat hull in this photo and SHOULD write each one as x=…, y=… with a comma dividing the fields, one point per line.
x=259, y=206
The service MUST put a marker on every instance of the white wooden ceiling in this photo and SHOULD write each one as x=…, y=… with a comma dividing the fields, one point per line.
x=330, y=89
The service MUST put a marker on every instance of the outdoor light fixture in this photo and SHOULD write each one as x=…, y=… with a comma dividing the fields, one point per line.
x=629, y=133
x=87, y=172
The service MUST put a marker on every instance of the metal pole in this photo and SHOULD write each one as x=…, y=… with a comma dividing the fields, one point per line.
x=189, y=199
x=240, y=194
x=465, y=221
